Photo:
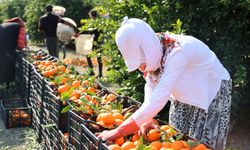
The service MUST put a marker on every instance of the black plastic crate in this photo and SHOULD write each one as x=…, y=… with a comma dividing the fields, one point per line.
x=81, y=131
x=53, y=139
x=63, y=140
x=90, y=141
x=57, y=140
x=15, y=113
x=74, y=129
x=79, y=138
x=22, y=75
x=54, y=106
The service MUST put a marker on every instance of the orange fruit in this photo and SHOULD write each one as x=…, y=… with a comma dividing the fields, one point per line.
x=82, y=89
x=116, y=111
x=91, y=89
x=165, y=127
x=88, y=109
x=94, y=101
x=185, y=149
x=114, y=147
x=127, y=115
x=88, y=97
x=75, y=94
x=107, y=118
x=137, y=142
x=85, y=83
x=95, y=85
x=64, y=80
x=78, y=101
x=119, y=141
x=76, y=84
x=52, y=83
x=166, y=144
x=53, y=72
x=100, y=123
x=128, y=145
x=46, y=73
x=63, y=88
x=156, y=145
x=199, y=147
x=118, y=122
x=135, y=137
x=99, y=117
x=73, y=98
x=118, y=116
x=110, y=97
x=153, y=135
x=61, y=68
x=186, y=145
x=177, y=145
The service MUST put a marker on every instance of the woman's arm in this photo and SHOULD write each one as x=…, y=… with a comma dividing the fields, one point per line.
x=177, y=62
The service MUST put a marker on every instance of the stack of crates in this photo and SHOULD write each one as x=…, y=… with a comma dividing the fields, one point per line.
x=35, y=98
x=22, y=75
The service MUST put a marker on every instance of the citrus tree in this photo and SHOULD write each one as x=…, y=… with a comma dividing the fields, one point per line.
x=10, y=9
x=222, y=25
x=151, y=12
x=75, y=10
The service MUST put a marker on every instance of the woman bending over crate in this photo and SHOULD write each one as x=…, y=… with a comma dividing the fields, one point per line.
x=184, y=69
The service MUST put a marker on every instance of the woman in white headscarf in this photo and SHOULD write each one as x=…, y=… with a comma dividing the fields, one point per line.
x=184, y=69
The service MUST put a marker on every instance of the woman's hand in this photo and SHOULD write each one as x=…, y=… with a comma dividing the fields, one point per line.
x=150, y=124
x=109, y=135
x=127, y=127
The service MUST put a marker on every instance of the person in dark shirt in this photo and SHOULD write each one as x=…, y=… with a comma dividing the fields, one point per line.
x=48, y=24
x=12, y=37
x=93, y=14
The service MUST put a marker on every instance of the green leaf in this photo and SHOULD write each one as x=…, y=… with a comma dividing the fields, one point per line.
x=66, y=95
x=192, y=143
x=179, y=137
x=66, y=109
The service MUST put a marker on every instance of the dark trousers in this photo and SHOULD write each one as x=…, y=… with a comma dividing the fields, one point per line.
x=90, y=64
x=52, y=46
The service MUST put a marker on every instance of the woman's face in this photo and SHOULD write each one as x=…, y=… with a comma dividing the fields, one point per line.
x=142, y=67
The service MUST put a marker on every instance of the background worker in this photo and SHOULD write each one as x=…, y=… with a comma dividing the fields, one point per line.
x=96, y=45
x=12, y=38
x=48, y=24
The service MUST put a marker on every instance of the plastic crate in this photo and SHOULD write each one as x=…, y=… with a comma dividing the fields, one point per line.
x=22, y=74
x=36, y=124
x=81, y=131
x=74, y=129
x=58, y=140
x=53, y=105
x=15, y=113
x=90, y=141
x=53, y=139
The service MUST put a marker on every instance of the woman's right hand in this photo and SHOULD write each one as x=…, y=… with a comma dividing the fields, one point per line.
x=150, y=124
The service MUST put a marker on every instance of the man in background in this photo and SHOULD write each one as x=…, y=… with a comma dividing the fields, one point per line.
x=48, y=25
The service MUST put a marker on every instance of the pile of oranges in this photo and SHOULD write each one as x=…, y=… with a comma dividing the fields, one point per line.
x=120, y=144
x=153, y=141
x=110, y=119
x=83, y=93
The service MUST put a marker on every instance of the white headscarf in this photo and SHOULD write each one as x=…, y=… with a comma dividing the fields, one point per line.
x=138, y=44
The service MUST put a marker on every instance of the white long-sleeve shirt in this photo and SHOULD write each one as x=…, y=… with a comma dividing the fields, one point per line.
x=192, y=75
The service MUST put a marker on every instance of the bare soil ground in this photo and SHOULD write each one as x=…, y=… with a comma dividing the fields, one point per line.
x=16, y=139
